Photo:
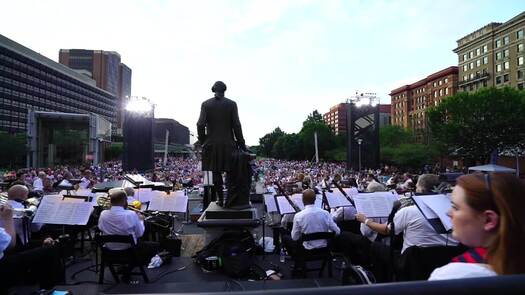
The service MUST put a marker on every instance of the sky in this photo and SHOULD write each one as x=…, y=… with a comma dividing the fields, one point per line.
x=280, y=59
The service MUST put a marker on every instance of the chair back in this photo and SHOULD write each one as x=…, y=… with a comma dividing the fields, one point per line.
x=417, y=263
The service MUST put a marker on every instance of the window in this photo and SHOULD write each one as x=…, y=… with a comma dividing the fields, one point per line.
x=465, y=78
x=440, y=82
x=440, y=92
x=485, y=60
x=520, y=47
x=519, y=34
x=471, y=65
x=498, y=80
x=465, y=68
x=506, y=78
x=505, y=40
x=446, y=80
x=506, y=53
x=485, y=48
x=520, y=86
x=478, y=51
x=478, y=62
x=520, y=74
x=498, y=43
x=499, y=55
x=498, y=68
x=520, y=60
x=506, y=65
x=446, y=91
x=471, y=54
x=465, y=57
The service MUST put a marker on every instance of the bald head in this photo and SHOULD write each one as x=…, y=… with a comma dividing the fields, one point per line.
x=308, y=197
x=17, y=192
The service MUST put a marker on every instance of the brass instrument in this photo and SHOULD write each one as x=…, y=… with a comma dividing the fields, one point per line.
x=21, y=212
x=104, y=202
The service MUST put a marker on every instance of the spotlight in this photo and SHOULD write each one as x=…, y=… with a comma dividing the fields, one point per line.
x=137, y=105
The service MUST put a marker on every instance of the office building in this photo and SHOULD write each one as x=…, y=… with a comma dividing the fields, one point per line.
x=336, y=118
x=178, y=133
x=106, y=69
x=30, y=81
x=410, y=102
x=493, y=56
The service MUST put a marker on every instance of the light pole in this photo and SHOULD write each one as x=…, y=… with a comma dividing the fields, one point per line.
x=359, y=142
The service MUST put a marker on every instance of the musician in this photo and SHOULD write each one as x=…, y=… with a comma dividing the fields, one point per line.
x=119, y=221
x=42, y=263
x=85, y=181
x=310, y=220
x=38, y=183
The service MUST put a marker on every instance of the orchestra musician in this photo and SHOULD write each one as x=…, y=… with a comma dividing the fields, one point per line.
x=42, y=264
x=86, y=181
x=119, y=221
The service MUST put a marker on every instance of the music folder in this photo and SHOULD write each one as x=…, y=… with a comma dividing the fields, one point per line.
x=435, y=210
x=174, y=202
x=55, y=209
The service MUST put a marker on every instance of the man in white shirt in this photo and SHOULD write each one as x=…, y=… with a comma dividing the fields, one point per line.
x=38, y=183
x=119, y=221
x=310, y=220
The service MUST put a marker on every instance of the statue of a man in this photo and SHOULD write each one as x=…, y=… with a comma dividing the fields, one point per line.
x=220, y=134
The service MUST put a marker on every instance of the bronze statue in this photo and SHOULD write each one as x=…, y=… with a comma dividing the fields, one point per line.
x=220, y=135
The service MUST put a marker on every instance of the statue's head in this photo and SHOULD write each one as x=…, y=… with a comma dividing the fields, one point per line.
x=219, y=88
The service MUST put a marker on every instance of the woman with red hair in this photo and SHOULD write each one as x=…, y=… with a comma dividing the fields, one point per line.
x=488, y=210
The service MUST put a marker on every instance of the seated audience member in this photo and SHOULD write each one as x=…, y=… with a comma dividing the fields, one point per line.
x=42, y=264
x=488, y=210
x=310, y=220
x=119, y=221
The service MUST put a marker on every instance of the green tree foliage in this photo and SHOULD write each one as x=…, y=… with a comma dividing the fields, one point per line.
x=114, y=151
x=12, y=150
x=398, y=147
x=267, y=142
x=314, y=117
x=325, y=138
x=288, y=147
x=475, y=124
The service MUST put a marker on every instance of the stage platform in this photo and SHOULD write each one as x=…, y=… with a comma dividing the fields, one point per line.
x=81, y=277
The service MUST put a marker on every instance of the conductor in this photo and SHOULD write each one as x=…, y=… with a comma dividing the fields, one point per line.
x=220, y=134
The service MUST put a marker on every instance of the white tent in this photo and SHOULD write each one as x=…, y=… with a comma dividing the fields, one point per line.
x=492, y=168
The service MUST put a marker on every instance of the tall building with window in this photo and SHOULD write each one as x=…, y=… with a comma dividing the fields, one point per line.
x=493, y=56
x=30, y=81
x=106, y=69
x=336, y=118
x=410, y=102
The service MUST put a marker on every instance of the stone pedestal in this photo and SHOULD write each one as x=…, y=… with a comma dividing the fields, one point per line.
x=216, y=220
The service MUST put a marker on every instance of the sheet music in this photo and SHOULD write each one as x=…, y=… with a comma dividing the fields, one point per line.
x=439, y=205
x=298, y=201
x=174, y=202
x=54, y=210
x=269, y=200
x=378, y=204
x=144, y=194
x=337, y=199
x=351, y=191
x=284, y=206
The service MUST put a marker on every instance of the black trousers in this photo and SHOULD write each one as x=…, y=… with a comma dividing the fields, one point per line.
x=355, y=247
x=42, y=265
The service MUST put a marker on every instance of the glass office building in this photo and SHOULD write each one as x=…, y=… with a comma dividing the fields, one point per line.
x=30, y=81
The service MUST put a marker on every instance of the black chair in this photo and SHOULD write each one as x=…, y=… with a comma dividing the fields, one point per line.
x=352, y=226
x=417, y=263
x=127, y=258
x=320, y=254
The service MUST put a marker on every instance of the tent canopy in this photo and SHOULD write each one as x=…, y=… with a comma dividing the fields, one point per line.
x=492, y=168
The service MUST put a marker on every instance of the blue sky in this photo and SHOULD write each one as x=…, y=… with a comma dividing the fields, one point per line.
x=280, y=59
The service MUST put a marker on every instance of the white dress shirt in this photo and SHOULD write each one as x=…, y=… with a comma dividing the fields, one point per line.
x=461, y=270
x=5, y=240
x=312, y=220
x=38, y=185
x=344, y=213
x=18, y=222
x=119, y=221
x=84, y=183
x=417, y=231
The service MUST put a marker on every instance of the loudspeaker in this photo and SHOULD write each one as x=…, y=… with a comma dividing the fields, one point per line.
x=138, y=142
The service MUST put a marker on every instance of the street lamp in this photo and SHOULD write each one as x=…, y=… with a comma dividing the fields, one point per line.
x=359, y=142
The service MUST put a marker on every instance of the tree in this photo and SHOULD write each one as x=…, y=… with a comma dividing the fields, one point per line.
x=325, y=138
x=392, y=136
x=314, y=117
x=288, y=147
x=12, y=149
x=474, y=125
x=267, y=142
